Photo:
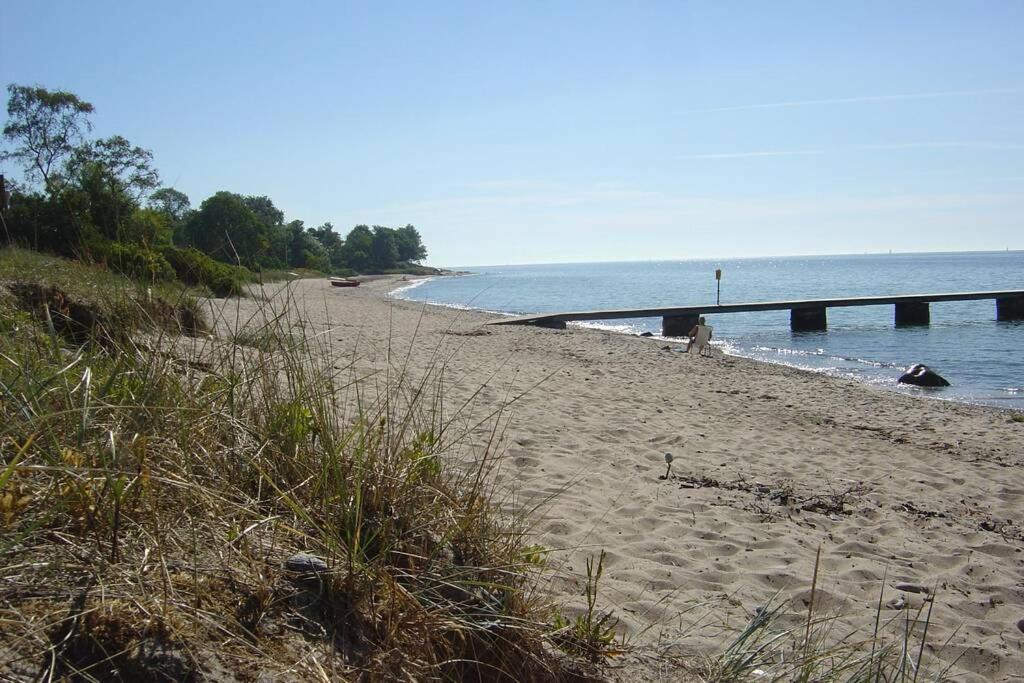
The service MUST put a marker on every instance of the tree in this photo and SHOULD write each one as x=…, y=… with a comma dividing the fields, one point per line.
x=332, y=243
x=172, y=203
x=228, y=230
x=410, y=247
x=384, y=251
x=264, y=208
x=176, y=208
x=125, y=168
x=357, y=248
x=148, y=227
x=45, y=128
x=115, y=175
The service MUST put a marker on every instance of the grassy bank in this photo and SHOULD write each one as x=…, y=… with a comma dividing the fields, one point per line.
x=157, y=491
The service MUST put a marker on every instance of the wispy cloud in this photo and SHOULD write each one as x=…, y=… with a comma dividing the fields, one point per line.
x=748, y=155
x=864, y=98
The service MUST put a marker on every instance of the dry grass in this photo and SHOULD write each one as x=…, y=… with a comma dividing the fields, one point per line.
x=152, y=488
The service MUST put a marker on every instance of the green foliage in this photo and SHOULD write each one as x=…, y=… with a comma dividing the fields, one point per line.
x=125, y=169
x=228, y=230
x=196, y=268
x=175, y=208
x=356, y=253
x=93, y=193
x=588, y=634
x=139, y=262
x=44, y=128
x=34, y=220
x=149, y=227
x=150, y=463
x=410, y=247
x=86, y=302
x=384, y=251
x=172, y=203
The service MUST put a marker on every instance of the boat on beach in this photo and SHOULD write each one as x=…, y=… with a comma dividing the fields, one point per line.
x=343, y=282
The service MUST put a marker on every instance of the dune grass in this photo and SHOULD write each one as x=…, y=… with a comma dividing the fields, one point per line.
x=153, y=487
x=813, y=649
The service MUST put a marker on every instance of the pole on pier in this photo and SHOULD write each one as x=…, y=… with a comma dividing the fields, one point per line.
x=912, y=313
x=1010, y=308
x=811, y=319
x=718, y=281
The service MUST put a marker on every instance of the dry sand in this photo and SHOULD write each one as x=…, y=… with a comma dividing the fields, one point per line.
x=903, y=494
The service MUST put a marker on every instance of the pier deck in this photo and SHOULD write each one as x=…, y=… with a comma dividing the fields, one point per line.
x=805, y=314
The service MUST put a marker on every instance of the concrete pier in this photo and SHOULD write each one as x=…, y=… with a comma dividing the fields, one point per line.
x=1010, y=308
x=808, y=319
x=678, y=325
x=805, y=314
x=912, y=313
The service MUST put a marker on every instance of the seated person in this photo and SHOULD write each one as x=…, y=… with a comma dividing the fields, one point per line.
x=692, y=334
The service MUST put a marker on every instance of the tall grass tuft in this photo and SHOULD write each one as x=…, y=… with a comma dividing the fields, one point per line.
x=812, y=651
x=156, y=492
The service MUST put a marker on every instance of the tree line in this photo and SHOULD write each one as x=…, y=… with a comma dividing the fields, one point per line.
x=102, y=200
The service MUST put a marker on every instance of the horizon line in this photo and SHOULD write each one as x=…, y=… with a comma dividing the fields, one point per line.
x=739, y=258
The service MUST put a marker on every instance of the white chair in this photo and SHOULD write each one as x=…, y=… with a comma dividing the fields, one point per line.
x=701, y=341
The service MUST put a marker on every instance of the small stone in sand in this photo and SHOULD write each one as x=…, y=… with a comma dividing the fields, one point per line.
x=910, y=588
x=304, y=563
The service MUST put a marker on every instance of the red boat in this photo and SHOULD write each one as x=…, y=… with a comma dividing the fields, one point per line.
x=343, y=282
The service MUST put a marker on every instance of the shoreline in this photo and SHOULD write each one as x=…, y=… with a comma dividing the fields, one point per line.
x=770, y=462
x=912, y=392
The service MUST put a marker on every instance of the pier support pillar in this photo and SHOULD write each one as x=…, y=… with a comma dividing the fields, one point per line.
x=912, y=313
x=678, y=325
x=1010, y=308
x=551, y=324
x=807, y=319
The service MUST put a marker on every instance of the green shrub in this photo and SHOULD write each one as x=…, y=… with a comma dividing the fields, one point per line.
x=196, y=268
x=139, y=262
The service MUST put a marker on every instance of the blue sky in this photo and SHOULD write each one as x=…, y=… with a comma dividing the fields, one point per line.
x=551, y=132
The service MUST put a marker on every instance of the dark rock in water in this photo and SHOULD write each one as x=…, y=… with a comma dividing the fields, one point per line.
x=921, y=375
x=646, y=334
x=304, y=563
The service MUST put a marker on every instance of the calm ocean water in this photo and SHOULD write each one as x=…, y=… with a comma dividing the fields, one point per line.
x=982, y=358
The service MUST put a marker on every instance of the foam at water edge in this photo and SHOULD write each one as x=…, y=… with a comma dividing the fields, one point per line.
x=399, y=292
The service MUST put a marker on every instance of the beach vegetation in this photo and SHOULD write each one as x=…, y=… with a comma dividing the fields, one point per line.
x=592, y=633
x=44, y=128
x=174, y=506
x=774, y=647
x=101, y=200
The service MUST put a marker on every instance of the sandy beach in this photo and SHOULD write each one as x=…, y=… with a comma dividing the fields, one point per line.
x=907, y=498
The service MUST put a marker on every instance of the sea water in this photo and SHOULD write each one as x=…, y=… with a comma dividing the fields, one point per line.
x=982, y=358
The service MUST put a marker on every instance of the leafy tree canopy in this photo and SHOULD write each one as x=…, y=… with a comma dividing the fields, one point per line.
x=410, y=246
x=44, y=127
x=264, y=208
x=228, y=230
x=172, y=203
